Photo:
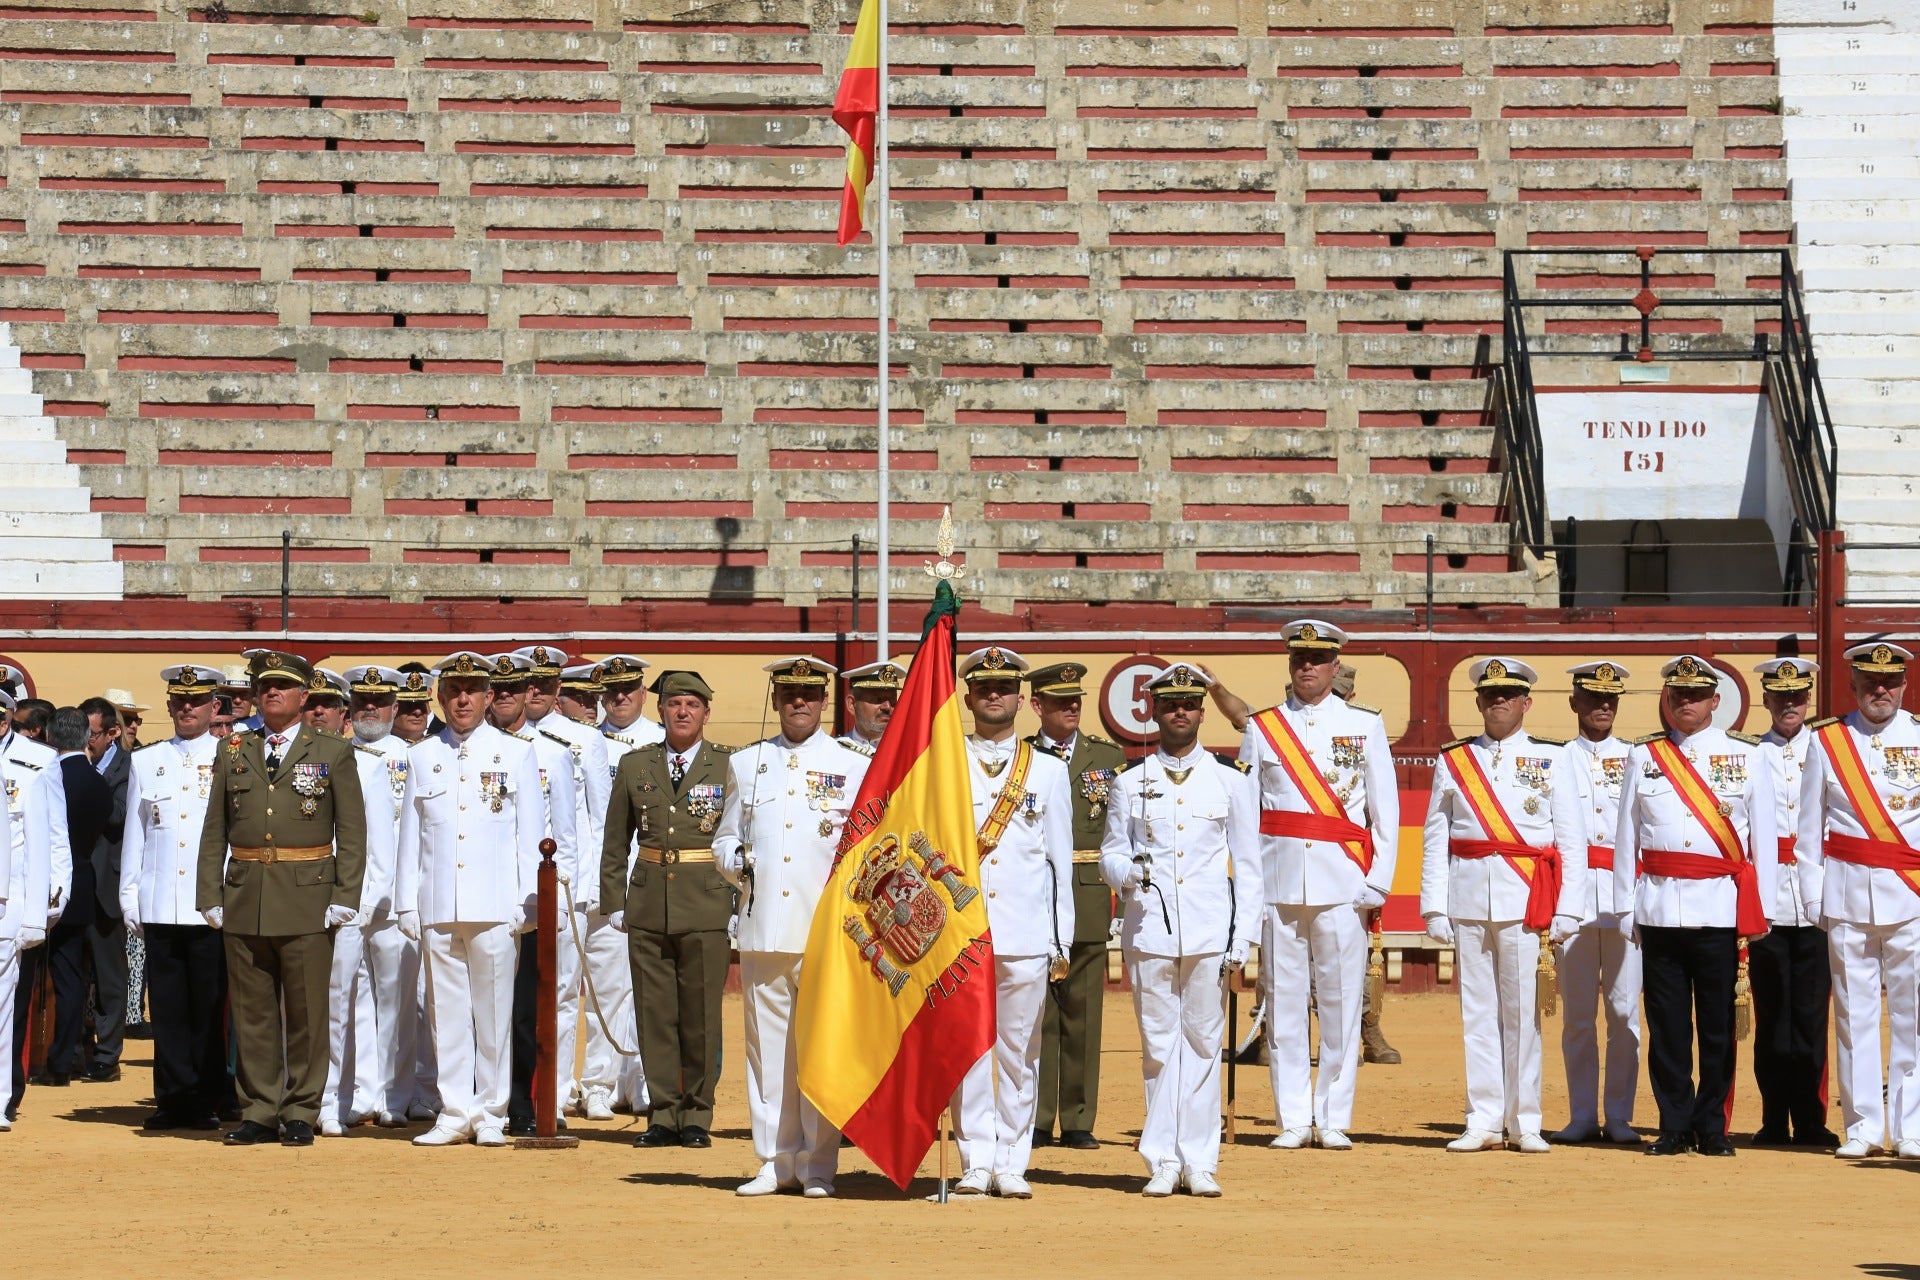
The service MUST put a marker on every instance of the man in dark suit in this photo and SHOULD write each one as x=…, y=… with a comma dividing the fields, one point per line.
x=106, y=934
x=88, y=809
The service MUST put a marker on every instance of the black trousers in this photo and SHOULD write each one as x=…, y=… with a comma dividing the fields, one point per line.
x=107, y=957
x=1792, y=985
x=1687, y=977
x=526, y=1030
x=187, y=981
x=68, y=958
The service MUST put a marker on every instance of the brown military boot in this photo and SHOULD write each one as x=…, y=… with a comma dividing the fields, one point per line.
x=1373, y=1045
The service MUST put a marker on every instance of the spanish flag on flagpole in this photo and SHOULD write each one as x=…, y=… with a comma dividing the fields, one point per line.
x=855, y=107
x=898, y=999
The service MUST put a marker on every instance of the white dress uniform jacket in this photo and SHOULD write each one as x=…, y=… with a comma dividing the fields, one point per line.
x=786, y=803
x=1028, y=876
x=1787, y=758
x=1652, y=816
x=559, y=796
x=1598, y=770
x=167, y=785
x=592, y=783
x=42, y=869
x=470, y=835
x=1846, y=890
x=1351, y=743
x=1201, y=837
x=1543, y=812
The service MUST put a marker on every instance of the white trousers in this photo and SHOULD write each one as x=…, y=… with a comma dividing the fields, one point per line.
x=611, y=971
x=1181, y=1007
x=566, y=1040
x=788, y=1133
x=426, y=1067
x=1000, y=1094
x=1865, y=956
x=1501, y=1024
x=9, y=989
x=470, y=1009
x=1317, y=953
x=393, y=980
x=353, y=1090
x=1600, y=969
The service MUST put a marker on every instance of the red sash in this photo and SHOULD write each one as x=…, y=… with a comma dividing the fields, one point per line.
x=1750, y=917
x=1884, y=846
x=1600, y=857
x=1538, y=866
x=1786, y=851
x=1328, y=819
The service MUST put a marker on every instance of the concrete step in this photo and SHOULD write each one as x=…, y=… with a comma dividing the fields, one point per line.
x=29, y=580
x=14, y=427
x=71, y=524
x=1864, y=189
x=1857, y=279
x=1884, y=54
x=21, y=404
x=1868, y=367
x=1895, y=15
x=1893, y=411
x=1838, y=168
x=31, y=499
x=1839, y=105
x=16, y=381
x=1801, y=121
x=78, y=550
x=1893, y=256
x=40, y=453
x=1812, y=229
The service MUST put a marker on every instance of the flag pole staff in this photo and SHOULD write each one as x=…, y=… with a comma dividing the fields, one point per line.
x=882, y=234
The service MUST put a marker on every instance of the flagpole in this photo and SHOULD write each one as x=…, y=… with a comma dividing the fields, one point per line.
x=881, y=234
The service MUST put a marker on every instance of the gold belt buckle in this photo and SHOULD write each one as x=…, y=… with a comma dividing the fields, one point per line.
x=270, y=855
x=669, y=857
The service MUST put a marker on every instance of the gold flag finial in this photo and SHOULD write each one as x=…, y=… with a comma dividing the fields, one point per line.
x=946, y=570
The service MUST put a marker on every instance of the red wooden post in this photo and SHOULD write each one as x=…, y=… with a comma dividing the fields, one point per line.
x=547, y=1011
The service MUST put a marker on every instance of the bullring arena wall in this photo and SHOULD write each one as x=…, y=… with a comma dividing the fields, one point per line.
x=520, y=299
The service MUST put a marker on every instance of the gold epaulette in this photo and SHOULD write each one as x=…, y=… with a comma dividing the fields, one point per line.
x=25, y=764
x=565, y=742
x=1134, y=763
x=1361, y=706
x=358, y=746
x=1548, y=742
x=523, y=737
x=860, y=748
x=1751, y=739
x=1652, y=737
x=723, y=750
x=1457, y=742
x=1236, y=763
x=1821, y=724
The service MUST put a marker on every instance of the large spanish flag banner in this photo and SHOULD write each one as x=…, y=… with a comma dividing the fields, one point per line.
x=855, y=108
x=896, y=1001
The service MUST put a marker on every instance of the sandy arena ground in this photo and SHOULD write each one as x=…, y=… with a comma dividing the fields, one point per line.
x=80, y=1176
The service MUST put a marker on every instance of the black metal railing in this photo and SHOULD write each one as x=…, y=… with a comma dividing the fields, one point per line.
x=1791, y=371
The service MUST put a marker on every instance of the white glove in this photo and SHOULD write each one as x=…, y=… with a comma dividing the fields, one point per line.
x=733, y=927
x=526, y=918
x=338, y=915
x=1440, y=929
x=1370, y=899
x=361, y=919
x=215, y=916
x=1236, y=958
x=1627, y=930
x=617, y=920
x=1563, y=927
x=1817, y=914
x=132, y=921
x=53, y=916
x=1136, y=876
x=31, y=938
x=3, y=908
x=410, y=925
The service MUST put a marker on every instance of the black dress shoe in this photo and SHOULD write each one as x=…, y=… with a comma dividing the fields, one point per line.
x=1816, y=1138
x=1043, y=1137
x=162, y=1120
x=658, y=1136
x=296, y=1133
x=250, y=1134
x=1079, y=1140
x=1713, y=1144
x=1670, y=1144
x=102, y=1075
x=1772, y=1135
x=694, y=1136
x=52, y=1080
x=228, y=1111
x=522, y=1127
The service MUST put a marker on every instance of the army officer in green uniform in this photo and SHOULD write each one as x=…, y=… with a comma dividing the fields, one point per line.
x=281, y=858
x=1070, y=1024
x=676, y=907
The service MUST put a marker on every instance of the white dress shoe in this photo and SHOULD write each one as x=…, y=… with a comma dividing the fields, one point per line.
x=1201, y=1183
x=817, y=1190
x=6, y=1125
x=1857, y=1149
x=764, y=1183
x=1291, y=1139
x=974, y=1182
x=1163, y=1182
x=596, y=1105
x=1476, y=1140
x=1331, y=1140
x=1623, y=1133
x=1011, y=1186
x=1909, y=1149
x=388, y=1120
x=1530, y=1144
x=1581, y=1133
x=440, y=1136
x=490, y=1137
x=418, y=1111
x=332, y=1128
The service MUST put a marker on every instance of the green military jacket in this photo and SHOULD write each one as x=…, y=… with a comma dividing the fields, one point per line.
x=1090, y=771
x=666, y=896
x=313, y=800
